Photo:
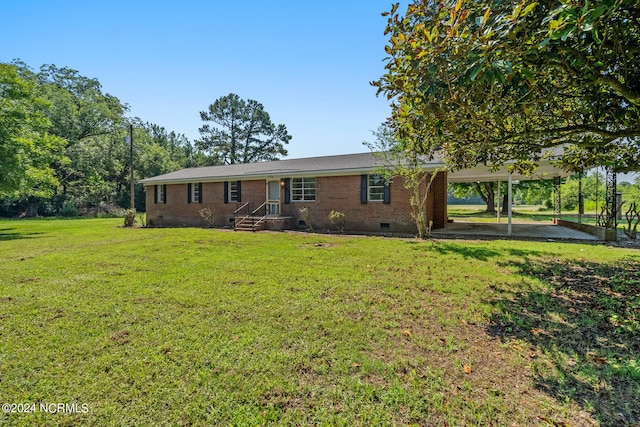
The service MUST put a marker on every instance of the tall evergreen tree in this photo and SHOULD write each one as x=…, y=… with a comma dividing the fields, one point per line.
x=241, y=132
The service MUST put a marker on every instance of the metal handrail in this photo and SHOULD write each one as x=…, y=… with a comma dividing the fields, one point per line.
x=258, y=208
x=240, y=208
x=250, y=215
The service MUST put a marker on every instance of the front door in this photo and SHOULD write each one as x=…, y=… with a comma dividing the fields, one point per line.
x=273, y=198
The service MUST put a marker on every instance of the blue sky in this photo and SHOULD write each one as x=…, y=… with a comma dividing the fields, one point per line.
x=308, y=63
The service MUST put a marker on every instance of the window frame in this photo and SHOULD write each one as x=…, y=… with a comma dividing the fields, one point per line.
x=375, y=182
x=161, y=195
x=306, y=189
x=233, y=192
x=195, y=191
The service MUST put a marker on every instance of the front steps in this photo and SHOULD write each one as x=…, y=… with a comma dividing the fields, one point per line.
x=249, y=224
x=274, y=223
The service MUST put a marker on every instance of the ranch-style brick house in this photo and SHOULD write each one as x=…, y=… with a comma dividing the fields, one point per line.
x=270, y=195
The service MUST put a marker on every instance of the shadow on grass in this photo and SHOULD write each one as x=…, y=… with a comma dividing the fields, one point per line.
x=8, y=234
x=480, y=252
x=585, y=330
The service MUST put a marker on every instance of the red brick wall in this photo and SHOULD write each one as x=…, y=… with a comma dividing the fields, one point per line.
x=439, y=195
x=178, y=212
x=340, y=193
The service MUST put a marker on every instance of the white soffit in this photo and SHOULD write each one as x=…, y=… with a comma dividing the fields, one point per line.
x=483, y=173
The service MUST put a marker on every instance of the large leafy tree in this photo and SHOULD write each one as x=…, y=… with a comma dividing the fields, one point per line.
x=241, y=132
x=80, y=108
x=487, y=81
x=27, y=150
x=485, y=190
x=91, y=165
x=92, y=123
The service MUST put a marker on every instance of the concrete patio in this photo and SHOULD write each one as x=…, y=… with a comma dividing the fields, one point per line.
x=537, y=231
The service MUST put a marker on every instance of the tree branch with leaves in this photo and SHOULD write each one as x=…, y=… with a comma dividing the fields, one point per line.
x=488, y=82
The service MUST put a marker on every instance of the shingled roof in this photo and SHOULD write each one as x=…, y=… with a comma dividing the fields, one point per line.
x=346, y=164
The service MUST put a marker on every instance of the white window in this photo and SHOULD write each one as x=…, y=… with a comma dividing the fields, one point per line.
x=303, y=189
x=162, y=193
x=195, y=192
x=233, y=191
x=376, y=188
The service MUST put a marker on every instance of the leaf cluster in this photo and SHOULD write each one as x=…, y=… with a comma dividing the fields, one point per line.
x=26, y=148
x=487, y=81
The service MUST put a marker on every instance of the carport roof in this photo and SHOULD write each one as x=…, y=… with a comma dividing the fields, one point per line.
x=346, y=164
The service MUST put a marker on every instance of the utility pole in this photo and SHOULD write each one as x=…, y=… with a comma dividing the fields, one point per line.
x=133, y=206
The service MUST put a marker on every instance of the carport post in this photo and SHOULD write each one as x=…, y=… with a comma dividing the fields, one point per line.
x=509, y=203
x=499, y=199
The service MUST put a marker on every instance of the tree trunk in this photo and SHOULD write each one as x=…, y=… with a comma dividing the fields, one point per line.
x=487, y=194
x=32, y=208
x=505, y=203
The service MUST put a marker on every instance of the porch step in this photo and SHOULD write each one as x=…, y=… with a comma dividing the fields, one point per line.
x=248, y=225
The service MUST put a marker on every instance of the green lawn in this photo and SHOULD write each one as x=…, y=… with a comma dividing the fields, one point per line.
x=208, y=327
x=521, y=214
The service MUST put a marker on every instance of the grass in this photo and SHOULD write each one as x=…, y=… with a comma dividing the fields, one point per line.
x=521, y=214
x=208, y=327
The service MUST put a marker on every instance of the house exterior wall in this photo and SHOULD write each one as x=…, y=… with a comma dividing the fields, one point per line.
x=178, y=212
x=339, y=193
x=342, y=193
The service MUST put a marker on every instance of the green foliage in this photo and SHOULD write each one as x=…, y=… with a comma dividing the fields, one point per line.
x=86, y=163
x=242, y=132
x=485, y=190
x=129, y=217
x=489, y=81
x=534, y=192
x=593, y=191
x=27, y=150
x=69, y=210
x=338, y=219
x=409, y=167
x=80, y=110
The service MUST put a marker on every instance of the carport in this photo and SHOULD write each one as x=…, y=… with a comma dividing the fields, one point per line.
x=482, y=173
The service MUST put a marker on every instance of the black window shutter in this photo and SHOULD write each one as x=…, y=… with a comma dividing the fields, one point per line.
x=239, y=187
x=200, y=192
x=287, y=191
x=363, y=188
x=155, y=194
x=165, y=193
x=387, y=194
x=189, y=193
x=226, y=191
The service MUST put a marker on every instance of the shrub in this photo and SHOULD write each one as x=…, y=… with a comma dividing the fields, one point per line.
x=69, y=210
x=208, y=215
x=338, y=219
x=129, y=217
x=306, y=217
